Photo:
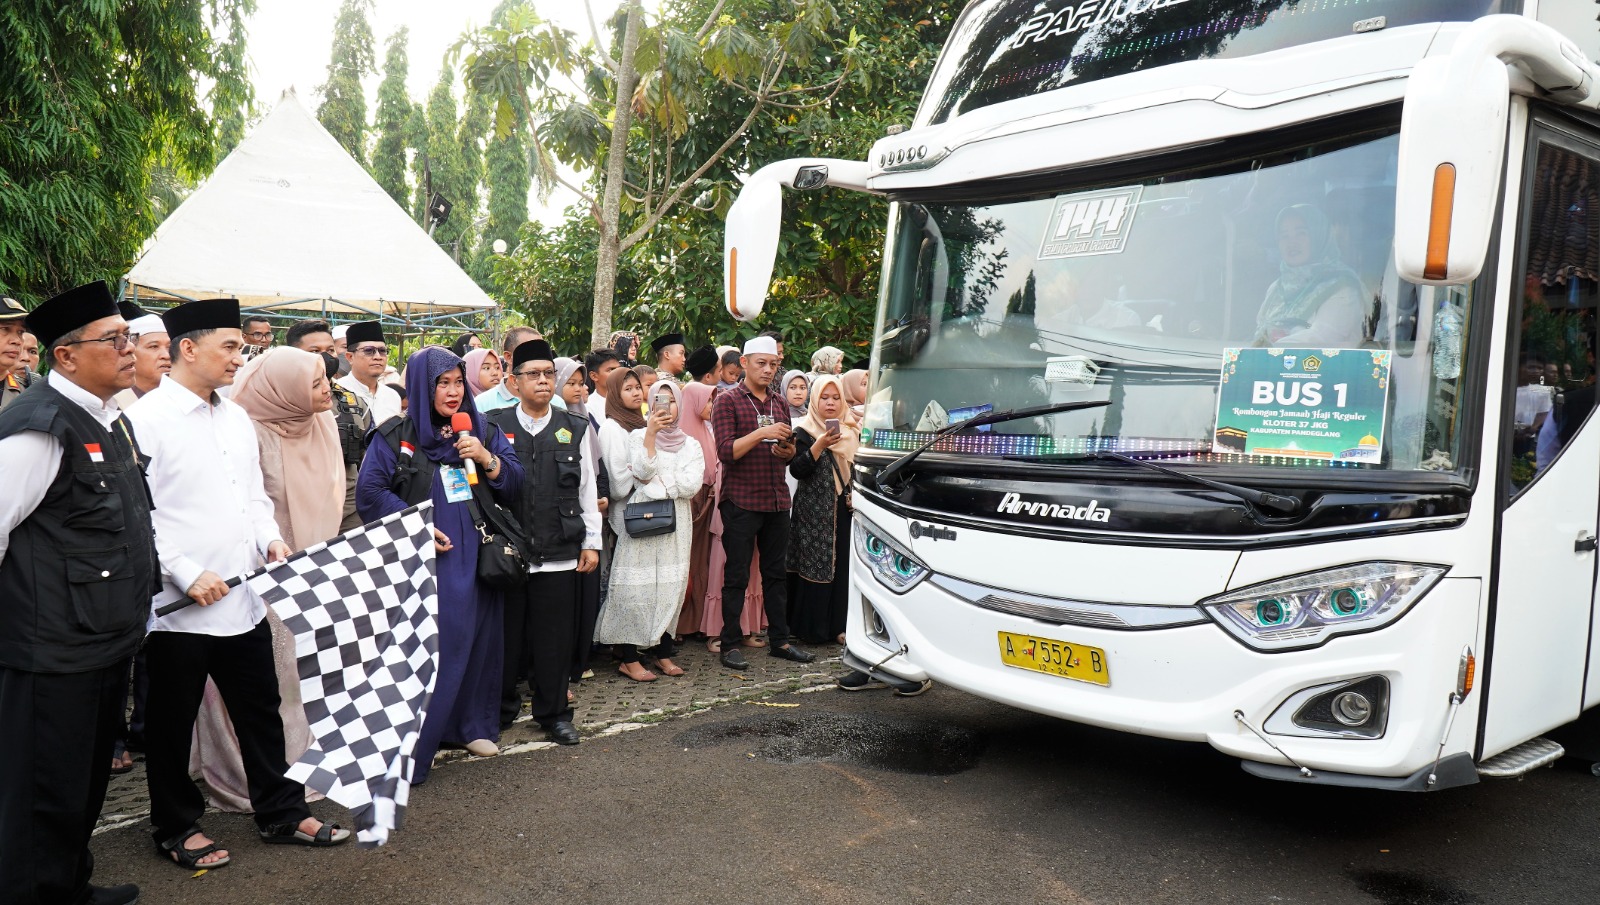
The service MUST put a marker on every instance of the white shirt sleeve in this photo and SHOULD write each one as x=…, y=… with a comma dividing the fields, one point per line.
x=587, y=492
x=262, y=514
x=29, y=463
x=614, y=449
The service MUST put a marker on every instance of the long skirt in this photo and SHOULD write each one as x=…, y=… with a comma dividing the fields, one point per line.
x=699, y=562
x=817, y=610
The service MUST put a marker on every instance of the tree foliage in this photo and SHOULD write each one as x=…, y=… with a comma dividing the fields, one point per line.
x=94, y=95
x=344, y=102
x=446, y=169
x=825, y=282
x=389, y=122
x=635, y=114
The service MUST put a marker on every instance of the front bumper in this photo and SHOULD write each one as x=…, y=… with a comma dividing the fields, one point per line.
x=1186, y=682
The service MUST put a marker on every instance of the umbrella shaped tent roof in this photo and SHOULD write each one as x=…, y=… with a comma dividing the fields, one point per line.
x=290, y=220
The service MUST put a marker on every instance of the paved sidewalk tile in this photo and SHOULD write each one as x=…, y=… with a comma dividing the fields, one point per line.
x=606, y=703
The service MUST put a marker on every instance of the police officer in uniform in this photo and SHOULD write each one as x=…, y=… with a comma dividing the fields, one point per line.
x=355, y=425
x=12, y=315
x=77, y=570
x=558, y=509
x=353, y=418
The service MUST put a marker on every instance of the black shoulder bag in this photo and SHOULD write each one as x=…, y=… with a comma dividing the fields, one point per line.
x=501, y=563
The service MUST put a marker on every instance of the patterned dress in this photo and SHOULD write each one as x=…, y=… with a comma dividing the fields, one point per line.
x=648, y=574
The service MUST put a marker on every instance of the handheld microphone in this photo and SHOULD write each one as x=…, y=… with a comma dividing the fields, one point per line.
x=461, y=423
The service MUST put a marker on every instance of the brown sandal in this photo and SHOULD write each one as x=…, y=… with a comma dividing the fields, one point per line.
x=647, y=677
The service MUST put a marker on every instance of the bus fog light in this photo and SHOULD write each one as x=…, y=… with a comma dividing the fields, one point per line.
x=1348, y=708
x=1304, y=611
x=1352, y=708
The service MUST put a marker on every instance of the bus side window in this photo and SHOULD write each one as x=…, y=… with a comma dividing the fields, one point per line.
x=1555, y=345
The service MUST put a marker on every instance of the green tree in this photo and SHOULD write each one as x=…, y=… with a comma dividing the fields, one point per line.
x=445, y=169
x=394, y=108
x=547, y=279
x=344, y=102
x=659, y=71
x=416, y=133
x=93, y=97
x=232, y=97
x=824, y=289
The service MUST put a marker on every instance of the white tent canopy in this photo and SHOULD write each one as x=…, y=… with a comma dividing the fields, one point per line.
x=290, y=220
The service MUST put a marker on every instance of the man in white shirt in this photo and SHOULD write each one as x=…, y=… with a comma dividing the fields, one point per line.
x=77, y=564
x=213, y=522
x=559, y=513
x=600, y=363
x=368, y=355
x=501, y=396
x=151, y=358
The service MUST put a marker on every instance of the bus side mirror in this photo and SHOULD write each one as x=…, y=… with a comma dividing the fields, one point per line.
x=1452, y=155
x=750, y=240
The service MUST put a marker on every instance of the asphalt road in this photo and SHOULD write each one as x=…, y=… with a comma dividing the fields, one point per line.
x=868, y=798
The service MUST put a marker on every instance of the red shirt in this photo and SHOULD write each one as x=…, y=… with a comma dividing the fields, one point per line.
x=754, y=482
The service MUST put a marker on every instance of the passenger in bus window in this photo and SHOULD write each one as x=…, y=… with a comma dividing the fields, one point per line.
x=1316, y=301
x=1534, y=402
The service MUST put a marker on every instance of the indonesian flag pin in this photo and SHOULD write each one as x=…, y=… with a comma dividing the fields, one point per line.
x=407, y=448
x=93, y=449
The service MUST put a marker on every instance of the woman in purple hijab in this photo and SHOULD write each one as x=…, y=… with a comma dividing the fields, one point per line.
x=465, y=708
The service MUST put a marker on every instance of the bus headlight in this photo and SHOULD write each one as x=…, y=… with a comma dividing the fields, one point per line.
x=1306, y=610
x=894, y=568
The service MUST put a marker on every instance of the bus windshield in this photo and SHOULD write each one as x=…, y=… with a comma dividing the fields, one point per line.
x=1246, y=315
x=1006, y=49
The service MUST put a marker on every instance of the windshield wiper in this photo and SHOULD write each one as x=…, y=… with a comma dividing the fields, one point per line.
x=900, y=464
x=1284, y=505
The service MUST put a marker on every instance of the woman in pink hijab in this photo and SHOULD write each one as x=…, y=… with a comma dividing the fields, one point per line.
x=483, y=371
x=286, y=393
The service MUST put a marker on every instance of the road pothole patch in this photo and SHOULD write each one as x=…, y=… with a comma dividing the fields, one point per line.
x=894, y=744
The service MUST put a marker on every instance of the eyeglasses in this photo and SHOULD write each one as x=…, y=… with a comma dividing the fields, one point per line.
x=372, y=351
x=260, y=336
x=547, y=374
x=118, y=341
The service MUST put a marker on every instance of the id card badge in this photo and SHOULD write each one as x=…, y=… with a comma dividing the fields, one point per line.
x=456, y=488
x=766, y=421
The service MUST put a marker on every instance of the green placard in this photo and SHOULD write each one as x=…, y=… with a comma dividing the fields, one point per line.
x=1324, y=404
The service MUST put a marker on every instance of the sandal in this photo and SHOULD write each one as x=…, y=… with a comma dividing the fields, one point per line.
x=647, y=677
x=189, y=858
x=121, y=761
x=666, y=667
x=714, y=645
x=329, y=834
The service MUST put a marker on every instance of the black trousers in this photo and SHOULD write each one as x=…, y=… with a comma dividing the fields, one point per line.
x=745, y=531
x=55, y=761
x=588, y=615
x=541, y=624
x=242, y=667
x=139, y=687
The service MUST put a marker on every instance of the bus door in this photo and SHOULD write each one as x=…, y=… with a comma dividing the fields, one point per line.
x=1539, y=674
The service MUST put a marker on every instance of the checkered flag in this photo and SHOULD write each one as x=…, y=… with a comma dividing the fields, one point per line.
x=363, y=608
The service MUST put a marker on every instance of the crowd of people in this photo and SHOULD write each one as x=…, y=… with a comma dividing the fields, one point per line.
x=164, y=454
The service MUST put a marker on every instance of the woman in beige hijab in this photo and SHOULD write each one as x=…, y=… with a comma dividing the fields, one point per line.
x=287, y=394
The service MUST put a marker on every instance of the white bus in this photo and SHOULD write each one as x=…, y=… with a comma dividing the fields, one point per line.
x=1232, y=377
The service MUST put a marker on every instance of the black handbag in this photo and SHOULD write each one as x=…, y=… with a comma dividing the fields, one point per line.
x=501, y=563
x=650, y=518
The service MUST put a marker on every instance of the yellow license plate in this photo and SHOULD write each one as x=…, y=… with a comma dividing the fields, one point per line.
x=1055, y=658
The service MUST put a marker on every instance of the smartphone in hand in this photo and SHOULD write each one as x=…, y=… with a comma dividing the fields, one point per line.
x=832, y=424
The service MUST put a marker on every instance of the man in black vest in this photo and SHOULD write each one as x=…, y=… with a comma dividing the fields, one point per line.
x=77, y=569
x=558, y=509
